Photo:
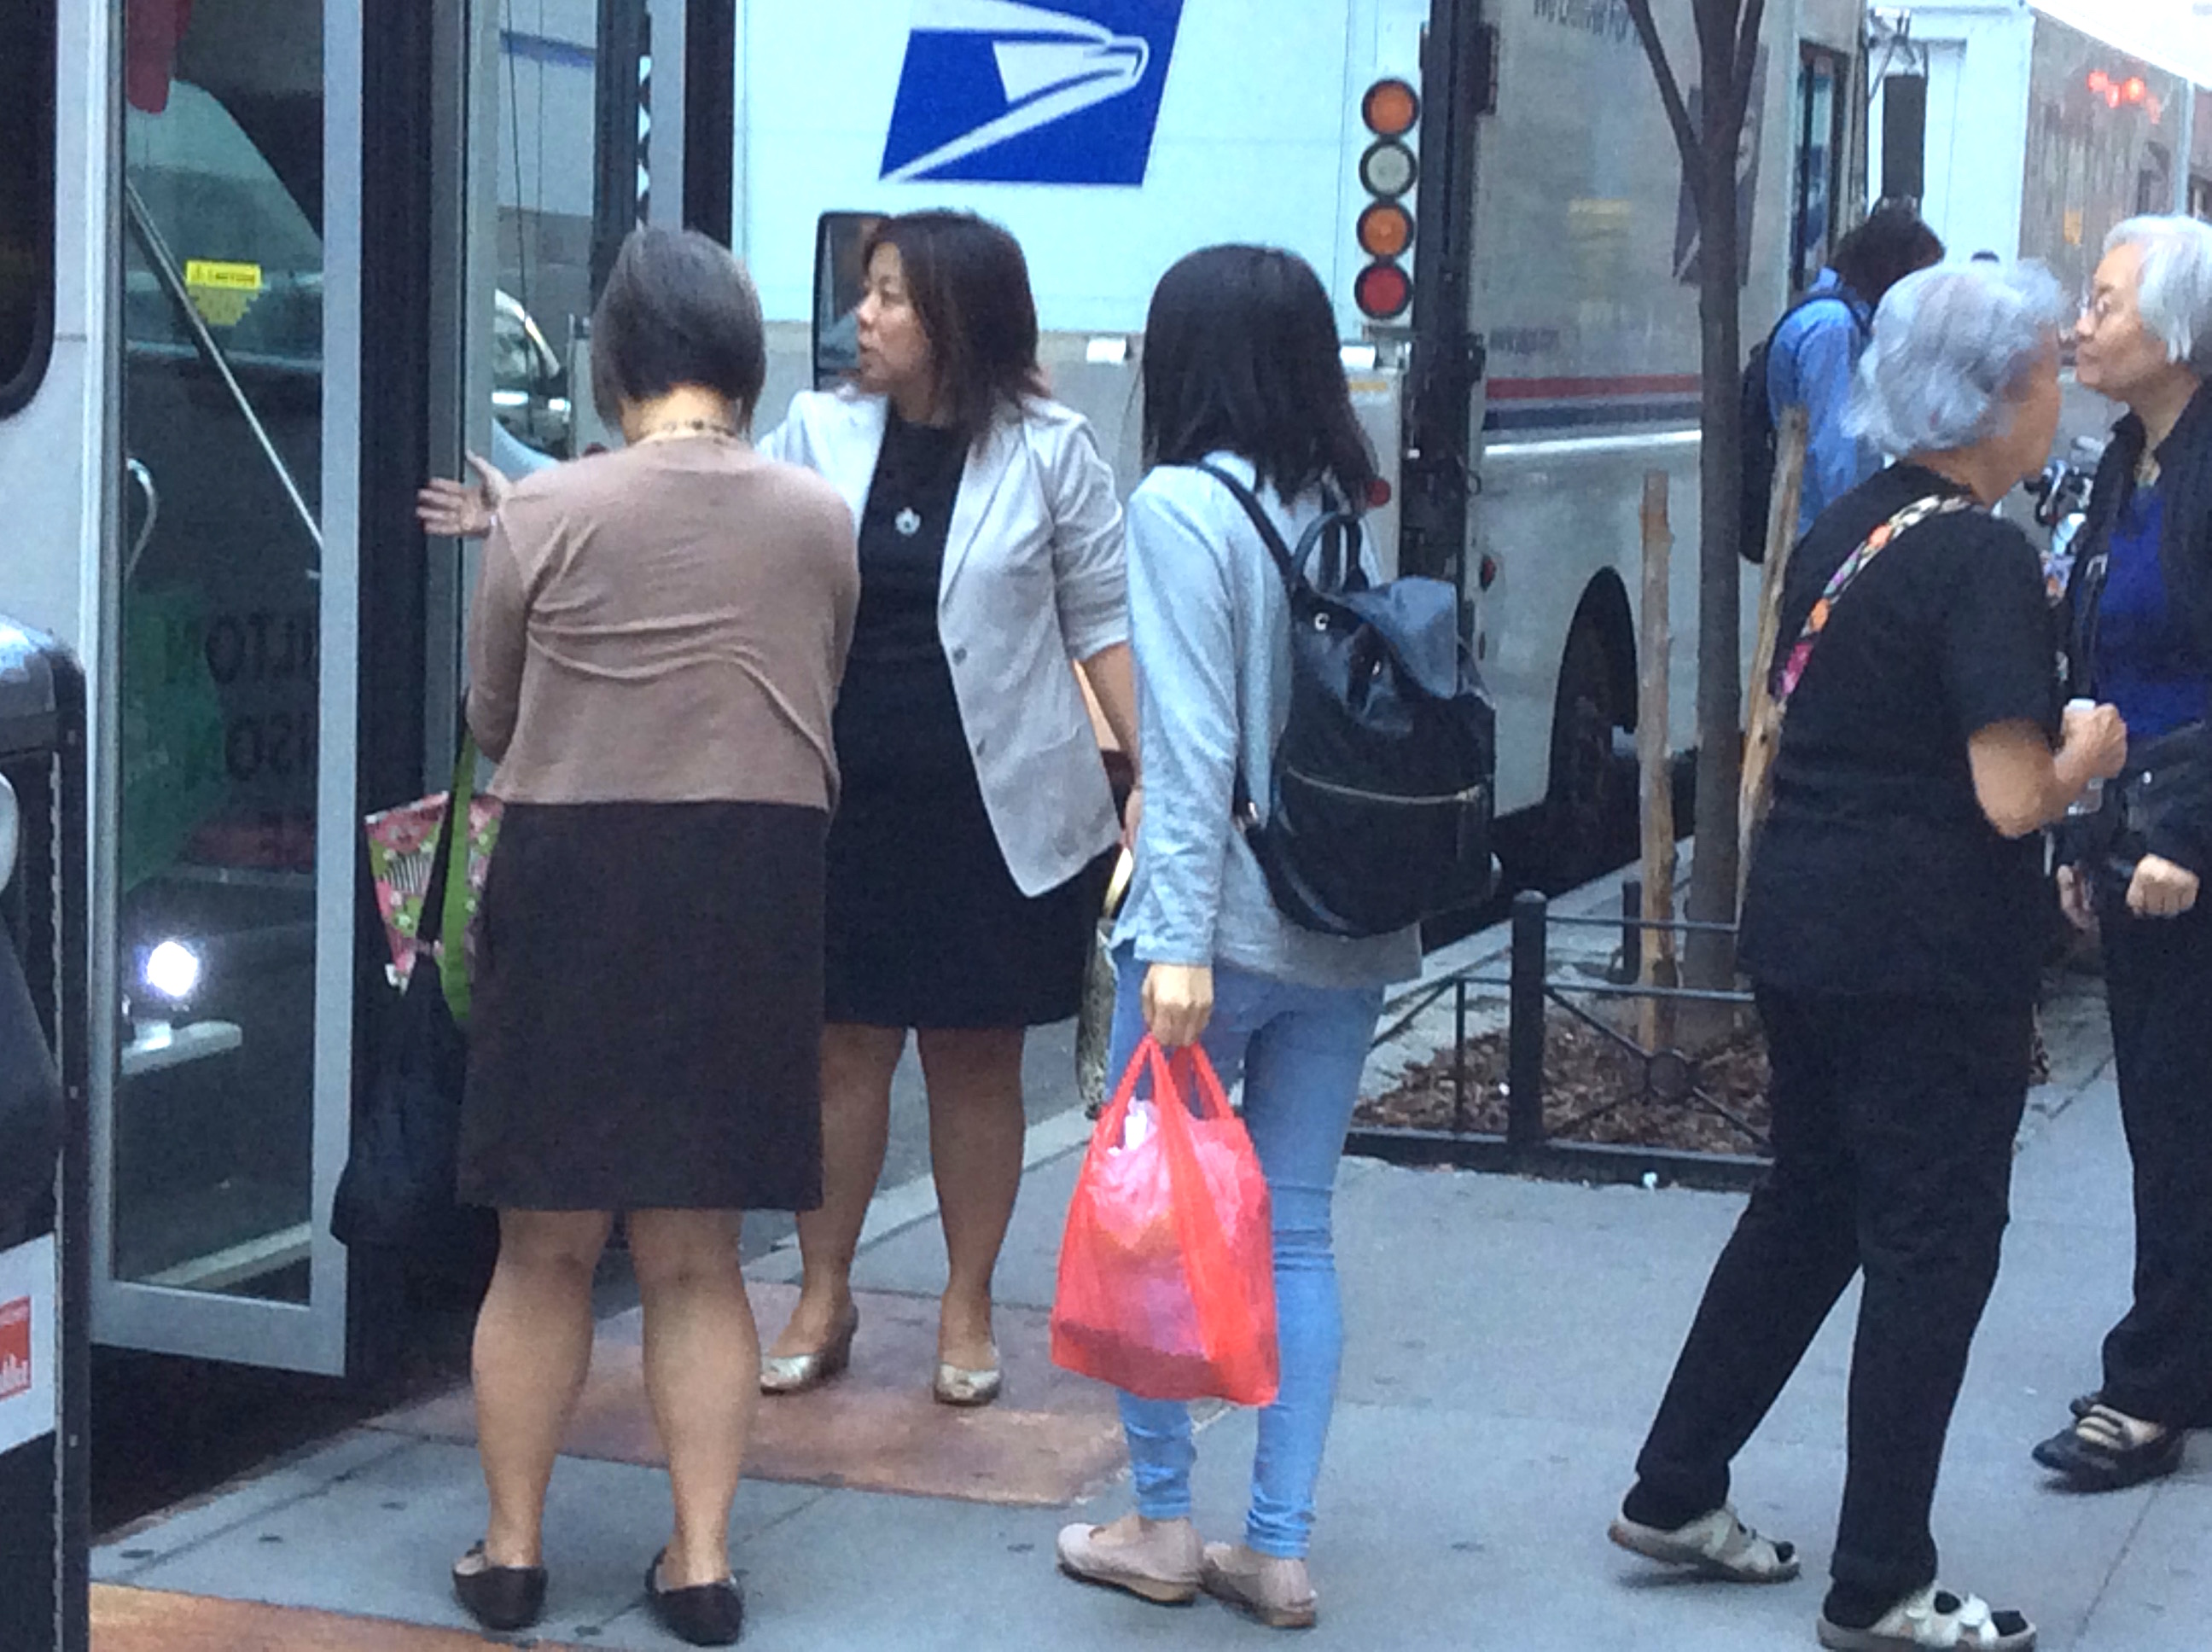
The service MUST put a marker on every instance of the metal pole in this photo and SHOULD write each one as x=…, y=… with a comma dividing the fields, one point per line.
x=2184, y=144
x=173, y=282
x=1459, y=1056
x=1525, y=1054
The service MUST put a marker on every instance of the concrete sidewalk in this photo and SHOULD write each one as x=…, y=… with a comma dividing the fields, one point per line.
x=1507, y=1341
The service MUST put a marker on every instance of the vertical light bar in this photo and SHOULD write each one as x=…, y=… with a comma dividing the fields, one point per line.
x=335, y=804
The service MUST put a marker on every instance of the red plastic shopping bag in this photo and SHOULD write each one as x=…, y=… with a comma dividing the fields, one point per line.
x=1167, y=1275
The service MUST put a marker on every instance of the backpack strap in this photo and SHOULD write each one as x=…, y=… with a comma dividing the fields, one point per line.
x=1335, y=532
x=1885, y=534
x=1833, y=296
x=1270, y=536
x=1242, y=811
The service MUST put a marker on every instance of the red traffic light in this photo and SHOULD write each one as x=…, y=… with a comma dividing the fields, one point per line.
x=1382, y=291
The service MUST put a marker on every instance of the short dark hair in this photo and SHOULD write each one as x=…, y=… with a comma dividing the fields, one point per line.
x=1241, y=354
x=1892, y=243
x=677, y=309
x=969, y=285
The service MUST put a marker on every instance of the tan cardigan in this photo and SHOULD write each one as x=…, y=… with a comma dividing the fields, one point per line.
x=665, y=623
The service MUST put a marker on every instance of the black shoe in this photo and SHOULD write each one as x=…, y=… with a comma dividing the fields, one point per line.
x=706, y=1614
x=501, y=1597
x=2094, y=1464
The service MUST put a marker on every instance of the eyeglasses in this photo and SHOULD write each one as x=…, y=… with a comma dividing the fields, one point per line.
x=2101, y=308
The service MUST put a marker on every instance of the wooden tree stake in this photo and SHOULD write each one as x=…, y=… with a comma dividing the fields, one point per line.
x=1763, y=725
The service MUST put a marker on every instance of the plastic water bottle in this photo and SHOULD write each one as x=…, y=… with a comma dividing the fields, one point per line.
x=2092, y=796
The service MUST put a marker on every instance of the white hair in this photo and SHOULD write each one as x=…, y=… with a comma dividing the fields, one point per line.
x=2174, y=292
x=1950, y=346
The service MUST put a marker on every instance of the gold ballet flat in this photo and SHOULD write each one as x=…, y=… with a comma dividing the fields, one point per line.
x=964, y=1388
x=798, y=1373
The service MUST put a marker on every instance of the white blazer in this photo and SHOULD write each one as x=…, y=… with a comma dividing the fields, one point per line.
x=1033, y=578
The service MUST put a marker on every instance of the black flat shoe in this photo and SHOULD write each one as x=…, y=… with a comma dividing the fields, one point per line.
x=2096, y=1464
x=706, y=1614
x=501, y=1597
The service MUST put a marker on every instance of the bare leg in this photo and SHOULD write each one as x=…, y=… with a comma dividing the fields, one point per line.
x=976, y=1127
x=533, y=1345
x=857, y=1064
x=698, y=1330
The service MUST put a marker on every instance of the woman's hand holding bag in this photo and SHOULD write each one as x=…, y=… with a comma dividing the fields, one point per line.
x=1166, y=1281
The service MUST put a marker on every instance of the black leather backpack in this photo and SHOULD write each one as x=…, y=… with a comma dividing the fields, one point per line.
x=1381, y=800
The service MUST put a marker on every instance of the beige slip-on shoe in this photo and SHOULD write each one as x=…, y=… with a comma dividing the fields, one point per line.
x=1155, y=1560
x=1276, y=1591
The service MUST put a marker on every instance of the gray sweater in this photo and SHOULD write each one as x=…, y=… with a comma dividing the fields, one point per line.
x=1209, y=621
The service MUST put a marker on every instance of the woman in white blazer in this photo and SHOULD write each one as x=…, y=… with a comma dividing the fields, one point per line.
x=967, y=858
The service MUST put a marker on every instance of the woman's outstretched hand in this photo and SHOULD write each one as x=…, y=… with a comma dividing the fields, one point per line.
x=462, y=510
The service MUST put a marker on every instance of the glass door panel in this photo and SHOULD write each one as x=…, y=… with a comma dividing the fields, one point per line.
x=212, y=1127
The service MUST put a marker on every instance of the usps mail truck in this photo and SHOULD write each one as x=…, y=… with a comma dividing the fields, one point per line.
x=1493, y=195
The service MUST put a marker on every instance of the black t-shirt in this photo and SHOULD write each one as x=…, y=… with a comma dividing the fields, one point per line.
x=896, y=712
x=1877, y=870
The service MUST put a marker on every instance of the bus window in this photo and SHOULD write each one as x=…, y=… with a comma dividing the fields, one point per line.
x=26, y=198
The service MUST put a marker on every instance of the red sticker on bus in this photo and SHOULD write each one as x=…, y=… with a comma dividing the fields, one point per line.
x=15, y=1347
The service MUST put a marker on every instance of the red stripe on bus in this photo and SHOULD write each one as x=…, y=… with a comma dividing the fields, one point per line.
x=1546, y=390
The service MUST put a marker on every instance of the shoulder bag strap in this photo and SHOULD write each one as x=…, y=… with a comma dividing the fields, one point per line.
x=1800, y=652
x=449, y=897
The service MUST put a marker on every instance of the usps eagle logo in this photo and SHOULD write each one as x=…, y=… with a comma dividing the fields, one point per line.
x=1000, y=92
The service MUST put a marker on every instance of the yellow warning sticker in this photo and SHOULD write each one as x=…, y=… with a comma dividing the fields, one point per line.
x=221, y=290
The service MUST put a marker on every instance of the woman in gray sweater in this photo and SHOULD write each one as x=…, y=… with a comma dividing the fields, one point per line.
x=1241, y=371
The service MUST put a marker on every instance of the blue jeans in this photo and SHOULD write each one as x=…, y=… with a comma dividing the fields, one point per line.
x=1300, y=1050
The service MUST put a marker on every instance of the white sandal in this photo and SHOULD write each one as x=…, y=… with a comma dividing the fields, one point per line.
x=1716, y=1544
x=1934, y=1618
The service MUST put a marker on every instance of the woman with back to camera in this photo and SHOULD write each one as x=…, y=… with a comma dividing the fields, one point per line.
x=2142, y=603
x=644, y=1038
x=1241, y=369
x=966, y=868
x=1894, y=926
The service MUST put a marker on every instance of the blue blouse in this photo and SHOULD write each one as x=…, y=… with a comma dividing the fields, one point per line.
x=2146, y=662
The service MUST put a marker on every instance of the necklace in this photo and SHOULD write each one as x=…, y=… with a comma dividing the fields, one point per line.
x=682, y=428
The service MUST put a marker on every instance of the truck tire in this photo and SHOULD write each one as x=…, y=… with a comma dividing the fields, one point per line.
x=1590, y=801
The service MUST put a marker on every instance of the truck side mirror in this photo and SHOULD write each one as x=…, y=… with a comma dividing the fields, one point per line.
x=840, y=280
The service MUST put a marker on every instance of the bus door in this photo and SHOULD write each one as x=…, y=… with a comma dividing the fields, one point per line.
x=226, y=872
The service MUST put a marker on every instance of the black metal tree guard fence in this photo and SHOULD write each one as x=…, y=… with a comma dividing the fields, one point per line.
x=1529, y=1145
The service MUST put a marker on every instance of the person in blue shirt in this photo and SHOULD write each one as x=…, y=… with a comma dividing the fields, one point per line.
x=2141, y=606
x=1816, y=349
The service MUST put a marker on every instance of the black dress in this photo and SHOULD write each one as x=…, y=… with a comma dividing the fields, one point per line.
x=924, y=926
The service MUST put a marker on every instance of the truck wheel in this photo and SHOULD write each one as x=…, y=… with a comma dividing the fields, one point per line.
x=1590, y=804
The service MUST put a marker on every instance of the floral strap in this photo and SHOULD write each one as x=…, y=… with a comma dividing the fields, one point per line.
x=1800, y=652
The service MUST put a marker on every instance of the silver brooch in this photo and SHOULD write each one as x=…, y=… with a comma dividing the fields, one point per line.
x=908, y=522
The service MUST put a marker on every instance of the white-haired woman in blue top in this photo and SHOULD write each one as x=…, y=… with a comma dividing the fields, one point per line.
x=2141, y=608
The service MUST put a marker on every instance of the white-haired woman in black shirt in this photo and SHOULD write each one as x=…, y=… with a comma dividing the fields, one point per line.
x=1893, y=928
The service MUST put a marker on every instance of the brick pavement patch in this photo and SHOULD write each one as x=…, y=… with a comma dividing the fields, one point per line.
x=1051, y=1438
x=153, y=1620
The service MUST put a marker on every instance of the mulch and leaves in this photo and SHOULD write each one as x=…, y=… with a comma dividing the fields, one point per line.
x=1594, y=1090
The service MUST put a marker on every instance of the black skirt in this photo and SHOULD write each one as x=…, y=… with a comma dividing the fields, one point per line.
x=646, y=1027
x=926, y=927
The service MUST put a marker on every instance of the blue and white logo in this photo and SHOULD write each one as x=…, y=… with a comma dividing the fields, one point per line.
x=999, y=92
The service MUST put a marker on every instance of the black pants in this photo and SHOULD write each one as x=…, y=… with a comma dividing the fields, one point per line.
x=1893, y=1128
x=2158, y=981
